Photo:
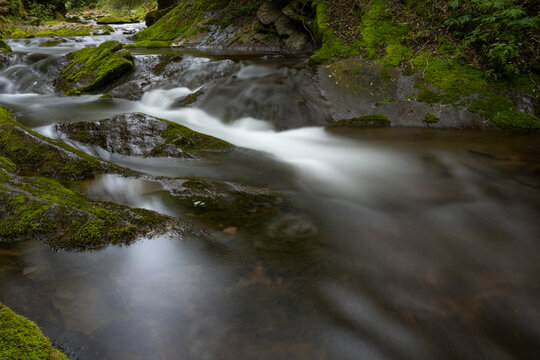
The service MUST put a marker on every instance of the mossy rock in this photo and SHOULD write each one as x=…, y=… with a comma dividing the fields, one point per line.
x=21, y=338
x=116, y=20
x=52, y=43
x=4, y=46
x=430, y=118
x=143, y=135
x=94, y=68
x=363, y=122
x=149, y=44
x=503, y=113
x=43, y=209
x=38, y=154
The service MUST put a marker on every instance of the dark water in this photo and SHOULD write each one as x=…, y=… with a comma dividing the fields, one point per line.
x=424, y=244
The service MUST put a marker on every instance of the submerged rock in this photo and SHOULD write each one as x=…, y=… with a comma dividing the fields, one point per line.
x=94, y=68
x=139, y=134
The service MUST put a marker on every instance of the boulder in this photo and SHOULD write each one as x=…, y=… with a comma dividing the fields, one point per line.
x=58, y=16
x=297, y=42
x=94, y=68
x=284, y=26
x=139, y=134
x=268, y=13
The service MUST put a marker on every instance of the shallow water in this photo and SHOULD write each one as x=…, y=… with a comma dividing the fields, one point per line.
x=425, y=242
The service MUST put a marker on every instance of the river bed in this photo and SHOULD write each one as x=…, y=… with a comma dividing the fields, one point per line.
x=422, y=243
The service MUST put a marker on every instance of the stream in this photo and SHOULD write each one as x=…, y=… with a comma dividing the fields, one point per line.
x=406, y=243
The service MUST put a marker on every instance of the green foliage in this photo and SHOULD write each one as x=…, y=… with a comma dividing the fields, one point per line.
x=430, y=118
x=20, y=338
x=503, y=113
x=41, y=11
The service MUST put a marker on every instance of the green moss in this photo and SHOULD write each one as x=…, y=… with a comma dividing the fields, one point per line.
x=503, y=113
x=41, y=208
x=367, y=121
x=378, y=29
x=192, y=98
x=149, y=44
x=179, y=21
x=332, y=47
x=4, y=46
x=429, y=97
x=430, y=118
x=395, y=53
x=20, y=338
x=188, y=140
x=7, y=165
x=115, y=20
x=454, y=79
x=94, y=67
x=386, y=75
x=34, y=152
x=15, y=32
x=51, y=43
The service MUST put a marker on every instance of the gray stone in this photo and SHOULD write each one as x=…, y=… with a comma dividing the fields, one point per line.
x=268, y=13
x=297, y=42
x=284, y=26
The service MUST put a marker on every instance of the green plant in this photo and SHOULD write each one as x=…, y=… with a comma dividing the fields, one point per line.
x=497, y=28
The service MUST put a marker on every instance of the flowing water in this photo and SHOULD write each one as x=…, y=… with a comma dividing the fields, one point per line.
x=407, y=243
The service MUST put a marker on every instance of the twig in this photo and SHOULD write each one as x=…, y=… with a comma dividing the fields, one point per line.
x=304, y=24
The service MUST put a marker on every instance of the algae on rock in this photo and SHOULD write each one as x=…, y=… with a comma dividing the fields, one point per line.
x=93, y=68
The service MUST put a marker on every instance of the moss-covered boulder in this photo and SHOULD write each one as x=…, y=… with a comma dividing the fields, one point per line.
x=40, y=208
x=139, y=134
x=21, y=338
x=38, y=154
x=116, y=20
x=4, y=46
x=94, y=68
x=367, y=121
x=34, y=207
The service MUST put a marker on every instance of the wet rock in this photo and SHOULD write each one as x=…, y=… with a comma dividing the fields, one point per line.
x=284, y=26
x=33, y=152
x=353, y=88
x=138, y=134
x=297, y=42
x=268, y=13
x=292, y=227
x=94, y=68
x=226, y=206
